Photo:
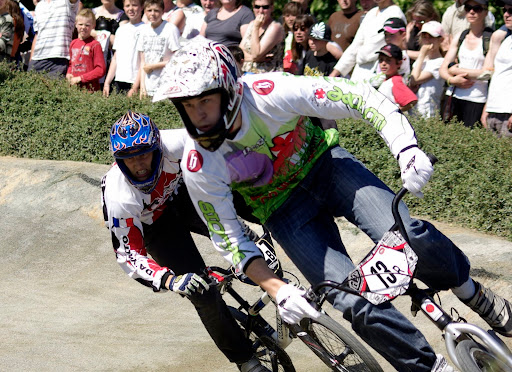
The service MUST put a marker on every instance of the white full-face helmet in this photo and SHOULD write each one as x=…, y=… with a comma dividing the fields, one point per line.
x=203, y=67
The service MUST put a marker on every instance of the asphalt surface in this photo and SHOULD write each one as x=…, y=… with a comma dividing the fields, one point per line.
x=67, y=306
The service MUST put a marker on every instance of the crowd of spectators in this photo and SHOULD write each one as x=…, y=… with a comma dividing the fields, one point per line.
x=454, y=65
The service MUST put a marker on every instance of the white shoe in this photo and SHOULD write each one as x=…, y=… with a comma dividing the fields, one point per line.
x=441, y=365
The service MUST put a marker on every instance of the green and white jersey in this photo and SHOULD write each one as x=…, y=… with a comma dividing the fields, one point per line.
x=276, y=148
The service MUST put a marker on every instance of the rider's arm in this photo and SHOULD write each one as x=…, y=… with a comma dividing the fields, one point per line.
x=123, y=218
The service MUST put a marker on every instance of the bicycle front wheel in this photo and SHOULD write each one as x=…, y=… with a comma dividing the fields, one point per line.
x=474, y=357
x=269, y=353
x=345, y=352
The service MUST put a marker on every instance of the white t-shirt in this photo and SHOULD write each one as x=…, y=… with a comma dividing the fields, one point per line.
x=471, y=59
x=127, y=56
x=194, y=18
x=430, y=92
x=499, y=100
x=157, y=44
x=360, y=55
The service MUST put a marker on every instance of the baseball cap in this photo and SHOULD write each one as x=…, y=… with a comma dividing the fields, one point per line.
x=320, y=31
x=391, y=50
x=393, y=25
x=504, y=2
x=433, y=28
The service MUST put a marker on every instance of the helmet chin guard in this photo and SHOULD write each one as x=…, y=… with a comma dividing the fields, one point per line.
x=203, y=67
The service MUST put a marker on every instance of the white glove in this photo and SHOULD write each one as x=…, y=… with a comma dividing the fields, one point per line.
x=187, y=284
x=416, y=170
x=292, y=306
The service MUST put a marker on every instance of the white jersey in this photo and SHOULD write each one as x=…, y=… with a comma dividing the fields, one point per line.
x=276, y=147
x=126, y=209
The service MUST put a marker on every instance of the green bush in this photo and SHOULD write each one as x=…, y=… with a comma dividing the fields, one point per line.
x=44, y=118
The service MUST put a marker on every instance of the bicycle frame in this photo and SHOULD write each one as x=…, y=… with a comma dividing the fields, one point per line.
x=280, y=333
x=453, y=331
x=284, y=333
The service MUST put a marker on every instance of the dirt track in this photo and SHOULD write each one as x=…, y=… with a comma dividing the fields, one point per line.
x=67, y=306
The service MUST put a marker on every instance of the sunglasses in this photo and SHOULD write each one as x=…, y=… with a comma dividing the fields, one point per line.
x=261, y=6
x=302, y=28
x=477, y=8
x=507, y=10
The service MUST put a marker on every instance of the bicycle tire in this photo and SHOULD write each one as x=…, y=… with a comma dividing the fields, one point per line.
x=269, y=353
x=345, y=351
x=474, y=357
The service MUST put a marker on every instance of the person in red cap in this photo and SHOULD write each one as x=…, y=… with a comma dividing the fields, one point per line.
x=394, y=88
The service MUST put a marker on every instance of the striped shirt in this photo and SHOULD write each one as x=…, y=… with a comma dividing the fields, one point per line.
x=54, y=24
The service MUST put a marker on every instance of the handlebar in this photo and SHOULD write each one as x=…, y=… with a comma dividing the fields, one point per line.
x=399, y=224
x=313, y=292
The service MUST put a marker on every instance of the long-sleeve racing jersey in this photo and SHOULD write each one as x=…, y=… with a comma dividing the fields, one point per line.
x=126, y=209
x=276, y=147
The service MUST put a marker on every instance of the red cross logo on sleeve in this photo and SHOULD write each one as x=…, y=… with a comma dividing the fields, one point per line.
x=319, y=93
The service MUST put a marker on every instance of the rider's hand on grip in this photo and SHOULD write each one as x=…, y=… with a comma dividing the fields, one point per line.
x=293, y=306
x=416, y=170
x=187, y=284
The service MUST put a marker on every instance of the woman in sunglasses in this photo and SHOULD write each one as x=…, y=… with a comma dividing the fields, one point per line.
x=454, y=21
x=463, y=66
x=263, y=41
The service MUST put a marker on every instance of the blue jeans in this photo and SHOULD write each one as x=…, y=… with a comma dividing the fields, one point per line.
x=304, y=226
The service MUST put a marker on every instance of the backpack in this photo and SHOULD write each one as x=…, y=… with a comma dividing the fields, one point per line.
x=486, y=39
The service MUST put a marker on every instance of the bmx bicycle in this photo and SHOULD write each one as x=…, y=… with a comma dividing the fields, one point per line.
x=333, y=344
x=388, y=271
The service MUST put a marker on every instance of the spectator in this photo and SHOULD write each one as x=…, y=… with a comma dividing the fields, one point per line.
x=290, y=12
x=108, y=16
x=394, y=88
x=87, y=65
x=23, y=54
x=318, y=61
x=344, y=23
x=54, y=25
x=425, y=72
x=158, y=40
x=366, y=5
x=262, y=42
x=454, y=21
x=497, y=114
x=361, y=54
x=194, y=17
x=468, y=95
x=6, y=31
x=300, y=46
x=227, y=24
x=172, y=14
x=422, y=11
x=394, y=33
x=238, y=54
x=208, y=5
x=126, y=74
x=304, y=4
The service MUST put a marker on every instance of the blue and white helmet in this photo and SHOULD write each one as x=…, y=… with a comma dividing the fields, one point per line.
x=136, y=134
x=203, y=67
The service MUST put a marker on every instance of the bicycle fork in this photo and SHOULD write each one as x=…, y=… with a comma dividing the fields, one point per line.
x=454, y=332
